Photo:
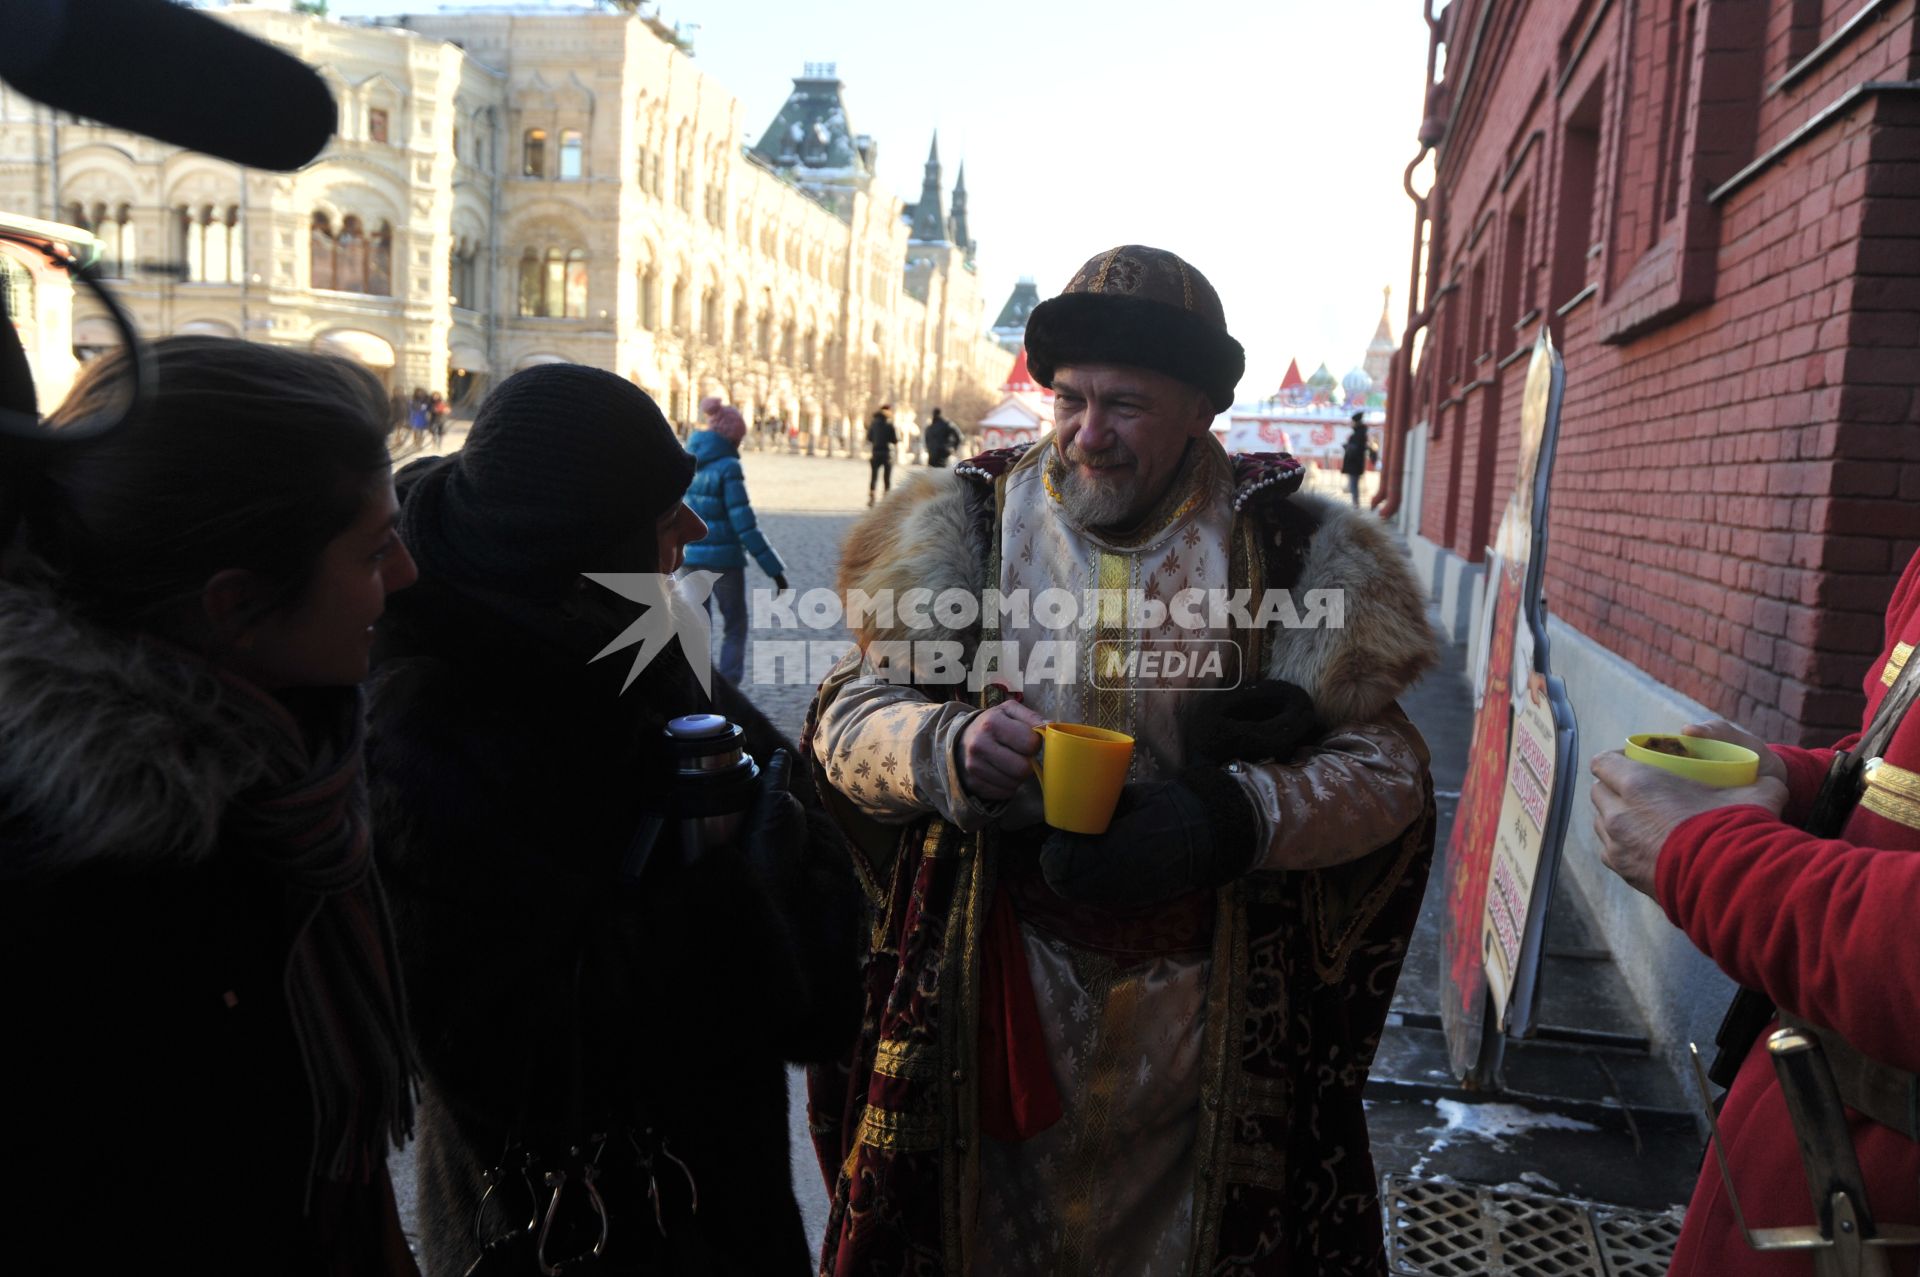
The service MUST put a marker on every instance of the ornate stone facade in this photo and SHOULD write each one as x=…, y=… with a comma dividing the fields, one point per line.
x=509, y=189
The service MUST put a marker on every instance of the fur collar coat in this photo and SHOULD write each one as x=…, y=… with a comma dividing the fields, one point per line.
x=153, y=1067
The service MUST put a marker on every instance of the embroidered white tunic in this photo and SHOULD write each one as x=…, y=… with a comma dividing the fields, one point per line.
x=1108, y=1190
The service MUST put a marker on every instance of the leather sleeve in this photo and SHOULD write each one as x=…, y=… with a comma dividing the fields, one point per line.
x=1342, y=798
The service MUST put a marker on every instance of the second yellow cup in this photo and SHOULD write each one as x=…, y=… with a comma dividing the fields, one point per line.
x=1083, y=772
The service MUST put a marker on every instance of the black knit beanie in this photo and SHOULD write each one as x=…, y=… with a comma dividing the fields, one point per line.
x=563, y=463
x=1142, y=308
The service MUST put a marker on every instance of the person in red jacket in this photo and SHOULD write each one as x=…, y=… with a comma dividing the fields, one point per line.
x=1828, y=927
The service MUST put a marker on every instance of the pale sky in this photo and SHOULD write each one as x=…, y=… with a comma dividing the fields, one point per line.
x=1263, y=140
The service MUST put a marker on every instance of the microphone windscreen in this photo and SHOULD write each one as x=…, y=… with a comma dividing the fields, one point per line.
x=171, y=73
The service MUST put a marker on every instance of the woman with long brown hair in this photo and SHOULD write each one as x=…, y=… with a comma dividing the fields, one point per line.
x=208, y=1058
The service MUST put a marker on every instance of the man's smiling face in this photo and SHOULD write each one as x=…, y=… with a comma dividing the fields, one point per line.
x=1121, y=433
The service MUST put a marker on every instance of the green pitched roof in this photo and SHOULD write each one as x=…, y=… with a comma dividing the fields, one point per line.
x=811, y=134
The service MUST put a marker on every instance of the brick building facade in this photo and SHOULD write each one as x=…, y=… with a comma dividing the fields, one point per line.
x=1714, y=205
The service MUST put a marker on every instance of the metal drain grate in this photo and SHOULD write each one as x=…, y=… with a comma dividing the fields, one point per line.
x=1636, y=1244
x=1440, y=1229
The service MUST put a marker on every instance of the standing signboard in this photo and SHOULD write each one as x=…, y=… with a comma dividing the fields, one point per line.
x=1512, y=817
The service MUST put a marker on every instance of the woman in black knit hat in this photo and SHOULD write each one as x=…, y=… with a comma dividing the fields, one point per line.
x=601, y=1013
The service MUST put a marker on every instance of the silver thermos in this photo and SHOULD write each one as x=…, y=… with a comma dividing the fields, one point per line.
x=715, y=780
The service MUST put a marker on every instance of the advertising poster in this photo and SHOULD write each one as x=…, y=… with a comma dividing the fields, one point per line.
x=1512, y=815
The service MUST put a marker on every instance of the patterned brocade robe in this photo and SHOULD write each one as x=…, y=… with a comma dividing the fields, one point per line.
x=1208, y=1053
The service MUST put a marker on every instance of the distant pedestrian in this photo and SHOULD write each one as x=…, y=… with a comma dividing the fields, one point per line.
x=438, y=410
x=943, y=439
x=719, y=497
x=881, y=436
x=1358, y=455
x=419, y=417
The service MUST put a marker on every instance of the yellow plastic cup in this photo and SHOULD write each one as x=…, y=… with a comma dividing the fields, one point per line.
x=1711, y=762
x=1086, y=768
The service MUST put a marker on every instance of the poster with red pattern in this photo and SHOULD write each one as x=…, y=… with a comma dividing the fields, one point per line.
x=1511, y=819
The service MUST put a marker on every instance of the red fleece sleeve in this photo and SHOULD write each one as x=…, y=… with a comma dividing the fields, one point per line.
x=1806, y=768
x=1819, y=925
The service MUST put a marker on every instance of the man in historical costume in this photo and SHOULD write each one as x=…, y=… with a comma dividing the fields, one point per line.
x=1140, y=1051
x=1804, y=887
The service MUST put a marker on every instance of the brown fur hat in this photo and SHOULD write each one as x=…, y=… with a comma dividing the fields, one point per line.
x=1141, y=308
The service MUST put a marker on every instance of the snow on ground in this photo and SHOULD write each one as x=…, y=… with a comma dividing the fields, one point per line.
x=1495, y=1122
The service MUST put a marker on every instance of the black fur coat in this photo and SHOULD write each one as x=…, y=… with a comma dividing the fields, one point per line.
x=549, y=1000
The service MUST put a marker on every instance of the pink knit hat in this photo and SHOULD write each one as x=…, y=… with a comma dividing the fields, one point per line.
x=710, y=405
x=726, y=421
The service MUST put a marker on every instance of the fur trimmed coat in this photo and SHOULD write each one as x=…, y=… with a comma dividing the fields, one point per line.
x=159, y=1117
x=1301, y=953
x=551, y=1000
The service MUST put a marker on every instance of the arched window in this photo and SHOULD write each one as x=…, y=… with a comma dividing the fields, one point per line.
x=213, y=253
x=113, y=226
x=209, y=240
x=649, y=296
x=531, y=274
x=709, y=315
x=533, y=161
x=350, y=257
x=320, y=252
x=763, y=335
x=808, y=347
x=352, y=260
x=740, y=324
x=463, y=282
x=576, y=295
x=786, y=343
x=380, y=261
x=570, y=155
x=682, y=169
x=679, y=316
x=553, y=283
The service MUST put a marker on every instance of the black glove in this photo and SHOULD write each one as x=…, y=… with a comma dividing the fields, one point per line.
x=779, y=583
x=1167, y=838
x=1262, y=721
x=778, y=828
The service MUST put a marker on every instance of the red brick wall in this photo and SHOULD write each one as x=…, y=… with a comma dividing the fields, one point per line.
x=1738, y=483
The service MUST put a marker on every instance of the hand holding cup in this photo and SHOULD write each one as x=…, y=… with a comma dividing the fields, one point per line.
x=997, y=749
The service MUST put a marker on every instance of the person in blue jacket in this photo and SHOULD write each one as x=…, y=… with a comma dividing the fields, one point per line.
x=719, y=496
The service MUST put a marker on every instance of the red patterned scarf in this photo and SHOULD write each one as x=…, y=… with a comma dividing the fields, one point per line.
x=310, y=823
